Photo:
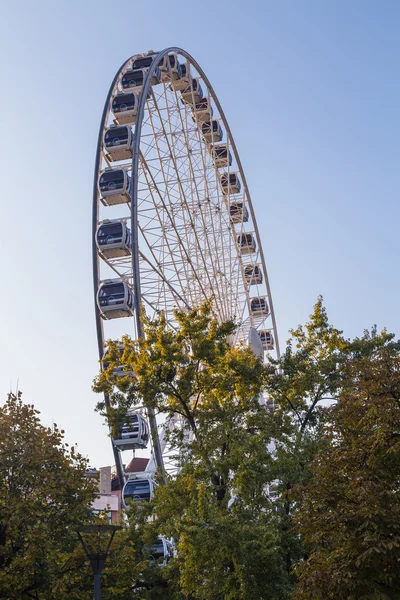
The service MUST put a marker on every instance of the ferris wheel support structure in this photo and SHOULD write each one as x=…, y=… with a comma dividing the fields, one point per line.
x=146, y=92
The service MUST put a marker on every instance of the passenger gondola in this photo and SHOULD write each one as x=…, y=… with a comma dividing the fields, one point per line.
x=266, y=338
x=230, y=183
x=185, y=79
x=170, y=67
x=133, y=79
x=203, y=110
x=105, y=360
x=120, y=370
x=221, y=156
x=143, y=62
x=115, y=299
x=113, y=238
x=238, y=212
x=253, y=274
x=269, y=404
x=259, y=307
x=161, y=552
x=246, y=243
x=114, y=186
x=254, y=342
x=118, y=142
x=124, y=107
x=193, y=93
x=212, y=131
x=273, y=492
x=141, y=490
x=134, y=434
x=174, y=66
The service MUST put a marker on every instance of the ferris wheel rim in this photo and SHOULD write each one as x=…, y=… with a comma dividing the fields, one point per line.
x=136, y=279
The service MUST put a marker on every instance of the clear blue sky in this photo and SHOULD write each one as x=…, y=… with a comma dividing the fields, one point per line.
x=311, y=90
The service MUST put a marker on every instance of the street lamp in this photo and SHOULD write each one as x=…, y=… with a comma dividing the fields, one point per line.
x=96, y=541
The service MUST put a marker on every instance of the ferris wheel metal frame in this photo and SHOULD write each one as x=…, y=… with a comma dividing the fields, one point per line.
x=134, y=197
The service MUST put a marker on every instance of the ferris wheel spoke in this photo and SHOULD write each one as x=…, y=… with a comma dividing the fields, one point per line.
x=184, y=195
x=213, y=175
x=184, y=244
x=221, y=243
x=175, y=292
x=184, y=255
x=208, y=231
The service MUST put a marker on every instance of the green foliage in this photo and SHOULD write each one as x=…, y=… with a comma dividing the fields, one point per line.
x=217, y=506
x=350, y=517
x=43, y=495
x=302, y=383
x=310, y=370
x=331, y=445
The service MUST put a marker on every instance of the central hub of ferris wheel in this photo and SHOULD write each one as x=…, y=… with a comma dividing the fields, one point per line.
x=173, y=222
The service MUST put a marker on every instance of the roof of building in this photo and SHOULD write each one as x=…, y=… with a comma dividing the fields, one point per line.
x=137, y=465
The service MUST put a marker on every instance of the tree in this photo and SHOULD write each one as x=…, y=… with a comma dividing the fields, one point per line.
x=43, y=496
x=350, y=515
x=327, y=533
x=308, y=376
x=217, y=507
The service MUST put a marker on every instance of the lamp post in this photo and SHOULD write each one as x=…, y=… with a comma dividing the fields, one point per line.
x=97, y=547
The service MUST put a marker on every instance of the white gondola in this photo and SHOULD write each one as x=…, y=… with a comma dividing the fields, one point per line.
x=115, y=299
x=259, y=306
x=174, y=66
x=185, y=80
x=193, y=93
x=230, y=183
x=269, y=404
x=120, y=370
x=238, y=212
x=161, y=551
x=124, y=108
x=246, y=243
x=273, y=492
x=203, y=111
x=118, y=142
x=254, y=343
x=113, y=238
x=253, y=274
x=133, y=78
x=266, y=338
x=134, y=434
x=104, y=361
x=170, y=67
x=212, y=131
x=114, y=187
x=141, y=490
x=221, y=156
x=143, y=62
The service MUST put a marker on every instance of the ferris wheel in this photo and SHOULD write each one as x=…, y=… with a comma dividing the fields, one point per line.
x=173, y=223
